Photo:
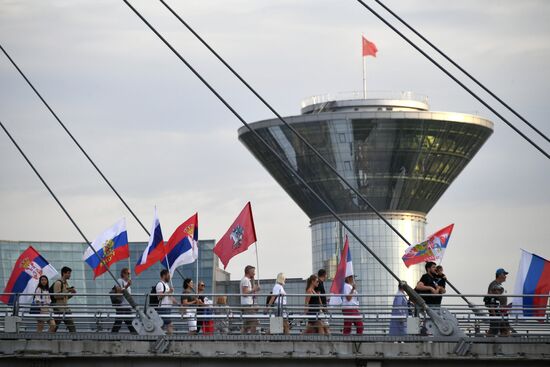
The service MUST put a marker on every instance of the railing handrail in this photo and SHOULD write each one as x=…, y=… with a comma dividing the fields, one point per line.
x=358, y=95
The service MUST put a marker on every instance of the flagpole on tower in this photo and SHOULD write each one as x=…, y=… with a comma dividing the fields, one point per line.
x=364, y=77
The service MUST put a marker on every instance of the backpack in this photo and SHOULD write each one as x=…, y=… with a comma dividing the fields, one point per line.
x=153, y=297
x=53, y=300
x=116, y=298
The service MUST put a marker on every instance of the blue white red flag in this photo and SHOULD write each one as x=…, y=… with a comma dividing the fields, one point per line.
x=182, y=247
x=28, y=268
x=533, y=278
x=432, y=249
x=111, y=246
x=155, y=248
x=344, y=270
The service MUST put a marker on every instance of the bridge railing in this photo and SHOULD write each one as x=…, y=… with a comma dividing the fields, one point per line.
x=376, y=313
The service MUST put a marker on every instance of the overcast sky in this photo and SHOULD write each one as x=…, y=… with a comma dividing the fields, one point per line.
x=163, y=139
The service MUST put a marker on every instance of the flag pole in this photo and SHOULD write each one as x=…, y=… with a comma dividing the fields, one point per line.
x=257, y=265
x=197, y=282
x=364, y=77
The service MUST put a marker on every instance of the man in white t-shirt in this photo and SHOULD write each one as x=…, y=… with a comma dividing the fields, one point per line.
x=166, y=300
x=247, y=299
x=350, y=307
x=124, y=283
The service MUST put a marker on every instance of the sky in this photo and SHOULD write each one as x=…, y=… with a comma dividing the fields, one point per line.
x=163, y=139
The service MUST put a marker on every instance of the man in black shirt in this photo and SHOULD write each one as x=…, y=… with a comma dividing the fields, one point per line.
x=428, y=285
x=322, y=275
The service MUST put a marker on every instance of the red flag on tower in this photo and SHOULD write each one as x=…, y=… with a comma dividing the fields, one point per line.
x=238, y=237
x=369, y=48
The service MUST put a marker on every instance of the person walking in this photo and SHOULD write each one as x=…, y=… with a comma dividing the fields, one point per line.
x=63, y=292
x=248, y=299
x=166, y=300
x=190, y=302
x=399, y=313
x=497, y=306
x=278, y=297
x=42, y=301
x=124, y=308
x=441, y=281
x=322, y=275
x=350, y=307
x=313, y=306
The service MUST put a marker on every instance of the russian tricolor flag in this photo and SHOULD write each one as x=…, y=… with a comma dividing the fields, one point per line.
x=533, y=278
x=182, y=247
x=25, y=274
x=155, y=248
x=344, y=270
x=111, y=246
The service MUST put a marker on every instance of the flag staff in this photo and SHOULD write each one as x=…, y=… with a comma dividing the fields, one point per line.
x=364, y=77
x=257, y=265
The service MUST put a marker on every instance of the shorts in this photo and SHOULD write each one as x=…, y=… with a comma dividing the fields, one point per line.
x=165, y=311
x=249, y=310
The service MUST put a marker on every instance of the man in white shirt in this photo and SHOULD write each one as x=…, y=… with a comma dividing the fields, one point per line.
x=124, y=283
x=350, y=307
x=166, y=300
x=247, y=300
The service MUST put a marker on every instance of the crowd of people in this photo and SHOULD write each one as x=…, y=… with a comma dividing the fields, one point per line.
x=196, y=306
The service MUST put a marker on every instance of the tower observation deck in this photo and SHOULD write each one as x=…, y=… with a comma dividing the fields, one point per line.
x=395, y=151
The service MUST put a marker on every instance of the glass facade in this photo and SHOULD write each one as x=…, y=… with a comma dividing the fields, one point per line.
x=60, y=254
x=372, y=278
x=398, y=164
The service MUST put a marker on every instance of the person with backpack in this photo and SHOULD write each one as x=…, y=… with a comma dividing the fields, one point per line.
x=278, y=298
x=122, y=307
x=166, y=301
x=42, y=301
x=64, y=292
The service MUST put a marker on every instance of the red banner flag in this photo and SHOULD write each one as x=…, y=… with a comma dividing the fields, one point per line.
x=238, y=237
x=430, y=250
x=369, y=48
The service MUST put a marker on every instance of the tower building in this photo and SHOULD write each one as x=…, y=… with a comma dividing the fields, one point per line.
x=393, y=150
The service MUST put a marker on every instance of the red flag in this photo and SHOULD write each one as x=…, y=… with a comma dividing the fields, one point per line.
x=430, y=250
x=345, y=269
x=369, y=48
x=238, y=237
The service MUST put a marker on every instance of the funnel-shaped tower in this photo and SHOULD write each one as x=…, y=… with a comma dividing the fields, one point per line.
x=398, y=154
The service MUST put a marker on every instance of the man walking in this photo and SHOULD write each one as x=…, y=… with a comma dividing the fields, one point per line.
x=497, y=305
x=247, y=300
x=123, y=309
x=64, y=292
x=166, y=300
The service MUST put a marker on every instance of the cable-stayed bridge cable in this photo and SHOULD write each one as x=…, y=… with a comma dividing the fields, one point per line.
x=455, y=64
x=57, y=200
x=446, y=72
x=262, y=140
x=78, y=145
x=294, y=131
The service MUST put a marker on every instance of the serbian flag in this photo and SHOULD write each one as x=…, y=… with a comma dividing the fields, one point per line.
x=430, y=250
x=111, y=246
x=344, y=270
x=369, y=48
x=28, y=268
x=238, y=237
x=438, y=242
x=182, y=247
x=154, y=251
x=533, y=278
